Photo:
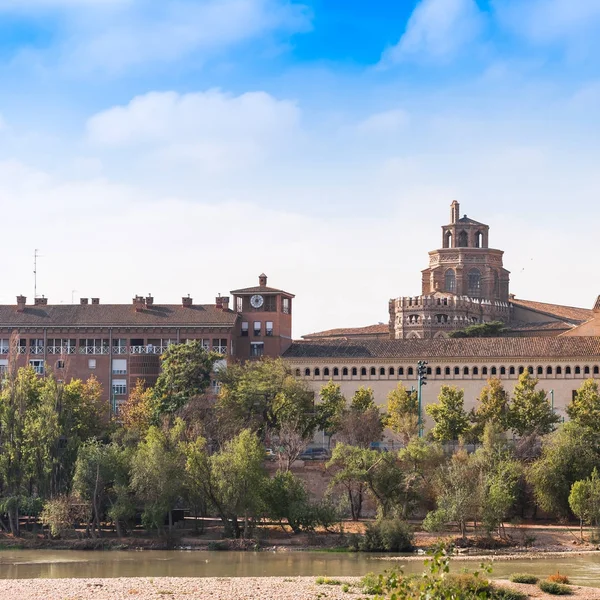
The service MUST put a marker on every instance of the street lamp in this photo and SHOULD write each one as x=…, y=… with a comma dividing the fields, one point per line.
x=422, y=375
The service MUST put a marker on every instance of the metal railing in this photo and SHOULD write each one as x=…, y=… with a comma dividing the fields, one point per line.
x=119, y=349
x=94, y=350
x=147, y=349
x=61, y=349
x=220, y=349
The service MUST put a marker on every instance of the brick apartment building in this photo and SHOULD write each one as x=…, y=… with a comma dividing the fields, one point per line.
x=120, y=343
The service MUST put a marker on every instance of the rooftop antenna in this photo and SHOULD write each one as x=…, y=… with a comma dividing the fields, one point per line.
x=35, y=257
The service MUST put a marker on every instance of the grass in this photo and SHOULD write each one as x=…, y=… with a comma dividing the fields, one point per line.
x=555, y=589
x=524, y=578
x=327, y=581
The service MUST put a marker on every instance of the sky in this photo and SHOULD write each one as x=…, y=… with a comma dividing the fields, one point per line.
x=180, y=147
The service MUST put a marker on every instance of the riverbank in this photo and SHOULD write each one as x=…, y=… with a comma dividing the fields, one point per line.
x=236, y=588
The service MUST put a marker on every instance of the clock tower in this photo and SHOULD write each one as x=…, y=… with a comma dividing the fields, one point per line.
x=264, y=326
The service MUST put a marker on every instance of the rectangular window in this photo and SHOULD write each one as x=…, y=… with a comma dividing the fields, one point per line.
x=257, y=328
x=119, y=346
x=269, y=328
x=286, y=306
x=219, y=345
x=4, y=346
x=3, y=366
x=270, y=303
x=93, y=346
x=239, y=304
x=257, y=349
x=119, y=387
x=244, y=328
x=36, y=346
x=60, y=364
x=91, y=363
x=119, y=366
x=206, y=344
x=38, y=366
x=61, y=346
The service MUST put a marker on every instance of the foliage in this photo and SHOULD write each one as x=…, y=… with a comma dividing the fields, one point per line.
x=584, y=500
x=60, y=513
x=492, y=407
x=361, y=428
x=138, y=410
x=387, y=535
x=524, y=578
x=185, y=373
x=558, y=578
x=585, y=406
x=530, y=412
x=555, y=589
x=285, y=498
x=327, y=581
x=348, y=465
x=492, y=329
x=403, y=413
x=451, y=421
x=362, y=400
x=330, y=410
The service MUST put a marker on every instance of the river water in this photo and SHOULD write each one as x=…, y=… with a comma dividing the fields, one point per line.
x=33, y=564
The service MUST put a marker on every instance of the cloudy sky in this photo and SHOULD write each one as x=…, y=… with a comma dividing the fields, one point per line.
x=185, y=146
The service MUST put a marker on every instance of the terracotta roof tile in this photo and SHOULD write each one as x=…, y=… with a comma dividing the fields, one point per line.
x=379, y=329
x=78, y=315
x=549, y=326
x=476, y=348
x=570, y=313
x=260, y=289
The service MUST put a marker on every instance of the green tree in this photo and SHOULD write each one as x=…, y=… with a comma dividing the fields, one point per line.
x=492, y=329
x=186, y=371
x=137, y=412
x=403, y=413
x=330, y=410
x=361, y=428
x=362, y=400
x=349, y=465
x=585, y=406
x=451, y=420
x=569, y=454
x=530, y=412
x=584, y=501
x=286, y=499
x=492, y=407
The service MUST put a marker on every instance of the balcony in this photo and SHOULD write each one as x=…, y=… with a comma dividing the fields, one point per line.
x=94, y=350
x=148, y=349
x=220, y=350
x=61, y=349
x=119, y=350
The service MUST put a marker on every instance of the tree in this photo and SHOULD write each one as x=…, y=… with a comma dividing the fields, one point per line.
x=492, y=329
x=330, y=411
x=286, y=499
x=492, y=407
x=186, y=371
x=349, y=465
x=361, y=428
x=569, y=454
x=530, y=412
x=584, y=501
x=585, y=406
x=362, y=400
x=403, y=413
x=451, y=421
x=137, y=411
x=384, y=479
x=155, y=473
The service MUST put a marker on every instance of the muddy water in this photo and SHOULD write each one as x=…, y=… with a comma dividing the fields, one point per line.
x=33, y=564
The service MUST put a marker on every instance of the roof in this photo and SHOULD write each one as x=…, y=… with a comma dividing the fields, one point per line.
x=468, y=221
x=570, y=313
x=547, y=326
x=260, y=289
x=438, y=349
x=106, y=315
x=379, y=329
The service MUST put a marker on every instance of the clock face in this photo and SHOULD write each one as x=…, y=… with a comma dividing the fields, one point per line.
x=256, y=301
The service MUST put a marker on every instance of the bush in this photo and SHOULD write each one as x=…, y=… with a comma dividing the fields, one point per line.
x=524, y=578
x=501, y=593
x=387, y=535
x=371, y=584
x=556, y=589
x=558, y=578
x=327, y=581
x=467, y=585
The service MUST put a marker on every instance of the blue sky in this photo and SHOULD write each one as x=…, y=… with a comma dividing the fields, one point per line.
x=320, y=141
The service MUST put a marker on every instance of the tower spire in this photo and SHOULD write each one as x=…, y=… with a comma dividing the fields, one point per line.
x=454, y=212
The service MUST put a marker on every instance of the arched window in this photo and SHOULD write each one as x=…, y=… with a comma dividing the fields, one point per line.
x=475, y=283
x=456, y=371
x=567, y=370
x=373, y=372
x=450, y=281
x=297, y=372
x=548, y=370
x=502, y=370
x=466, y=371
x=400, y=371
x=429, y=371
x=484, y=371
x=326, y=371
x=447, y=371
x=494, y=371
x=363, y=371
x=391, y=371
x=463, y=239
x=382, y=370
x=345, y=371
x=521, y=370
x=307, y=372
x=438, y=371
x=596, y=370
x=586, y=371
x=577, y=370
x=336, y=372
x=354, y=371
x=511, y=371
x=411, y=371
x=475, y=371
x=479, y=240
x=317, y=372
x=540, y=370
x=530, y=369
x=559, y=370
x=448, y=240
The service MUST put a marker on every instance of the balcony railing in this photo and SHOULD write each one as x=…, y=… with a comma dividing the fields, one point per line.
x=148, y=349
x=4, y=350
x=36, y=349
x=94, y=350
x=119, y=349
x=220, y=349
x=61, y=349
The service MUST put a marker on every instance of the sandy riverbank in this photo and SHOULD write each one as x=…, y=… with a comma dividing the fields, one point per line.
x=240, y=588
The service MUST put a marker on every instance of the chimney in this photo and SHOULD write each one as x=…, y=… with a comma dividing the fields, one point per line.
x=40, y=301
x=83, y=300
x=139, y=303
x=21, y=300
x=225, y=301
x=187, y=302
x=95, y=300
x=454, y=212
x=149, y=300
x=262, y=280
x=219, y=302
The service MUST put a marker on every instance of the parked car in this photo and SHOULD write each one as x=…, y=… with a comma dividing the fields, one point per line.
x=270, y=454
x=314, y=454
x=378, y=447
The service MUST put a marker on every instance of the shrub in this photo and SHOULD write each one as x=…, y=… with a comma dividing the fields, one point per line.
x=345, y=588
x=327, y=581
x=558, y=578
x=467, y=585
x=501, y=593
x=524, y=578
x=387, y=535
x=556, y=589
x=371, y=584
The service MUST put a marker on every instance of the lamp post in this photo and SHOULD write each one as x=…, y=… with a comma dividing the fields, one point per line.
x=552, y=399
x=422, y=375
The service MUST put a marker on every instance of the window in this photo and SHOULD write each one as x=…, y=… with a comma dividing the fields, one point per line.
x=450, y=281
x=577, y=370
x=119, y=387
x=463, y=239
x=479, y=240
x=466, y=371
x=521, y=370
x=401, y=371
x=269, y=328
x=307, y=372
x=336, y=372
x=530, y=370
x=447, y=370
x=257, y=349
x=567, y=370
x=540, y=371
x=205, y=344
x=381, y=371
x=91, y=363
x=3, y=366
x=326, y=371
x=502, y=370
x=511, y=371
x=559, y=370
x=484, y=371
x=60, y=364
x=494, y=371
x=586, y=371
x=297, y=372
x=119, y=366
x=438, y=371
x=317, y=372
x=448, y=240
x=548, y=370
x=245, y=326
x=475, y=371
x=596, y=370
x=354, y=371
x=286, y=306
x=4, y=346
x=239, y=304
x=391, y=371
x=411, y=371
x=95, y=346
x=475, y=283
x=119, y=346
x=257, y=327
x=270, y=303
x=345, y=371
x=373, y=371
x=456, y=370
x=219, y=345
x=38, y=366
x=61, y=346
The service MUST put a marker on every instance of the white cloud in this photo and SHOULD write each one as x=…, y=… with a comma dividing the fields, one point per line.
x=437, y=30
x=388, y=122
